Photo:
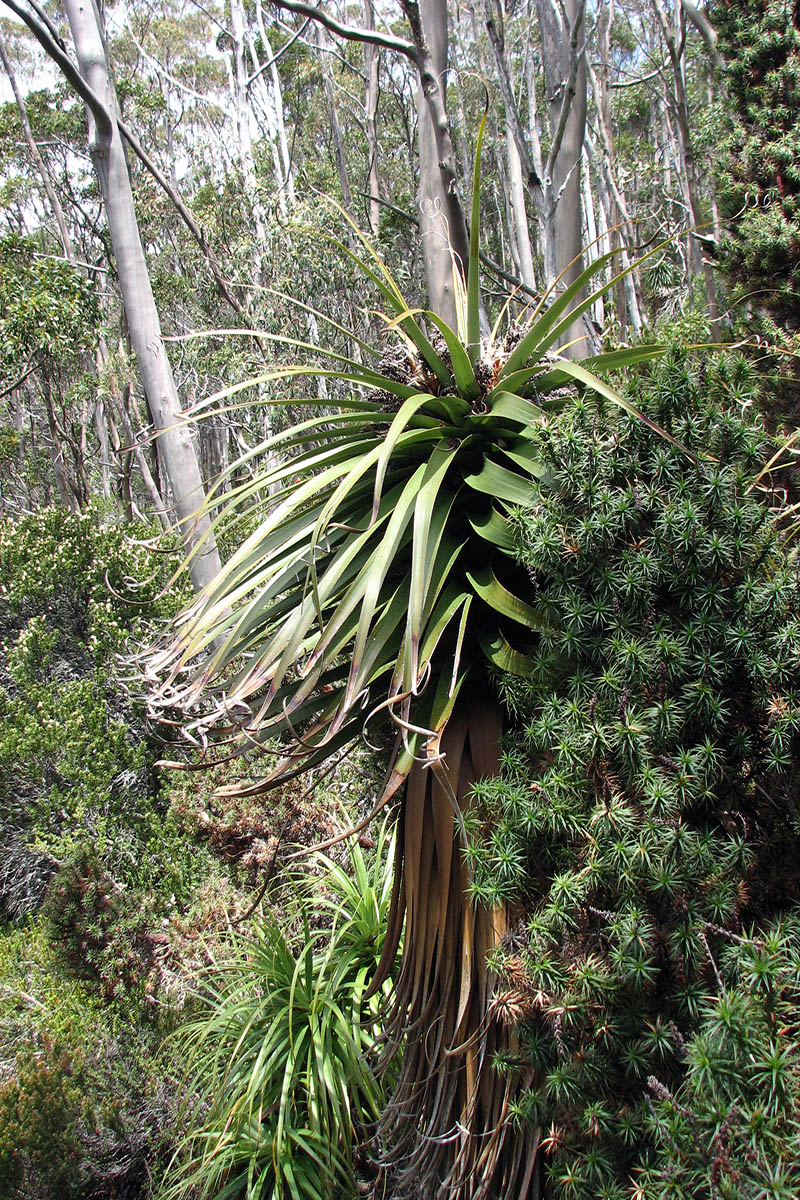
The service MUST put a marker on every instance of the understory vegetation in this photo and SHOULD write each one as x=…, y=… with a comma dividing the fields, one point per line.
x=644, y=833
x=117, y=883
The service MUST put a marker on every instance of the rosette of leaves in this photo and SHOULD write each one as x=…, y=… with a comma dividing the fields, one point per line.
x=649, y=806
x=380, y=579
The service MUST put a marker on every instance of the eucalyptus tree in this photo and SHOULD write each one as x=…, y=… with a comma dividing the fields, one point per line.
x=91, y=78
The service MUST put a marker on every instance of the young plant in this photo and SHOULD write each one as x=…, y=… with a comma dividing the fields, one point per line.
x=279, y=1052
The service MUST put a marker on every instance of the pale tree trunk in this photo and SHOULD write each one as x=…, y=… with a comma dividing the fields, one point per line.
x=238, y=83
x=286, y=181
x=593, y=241
x=554, y=183
x=564, y=63
x=602, y=98
x=630, y=298
x=272, y=104
x=520, y=230
x=622, y=231
x=333, y=120
x=104, y=442
x=67, y=245
x=674, y=37
x=371, y=66
x=434, y=224
x=175, y=447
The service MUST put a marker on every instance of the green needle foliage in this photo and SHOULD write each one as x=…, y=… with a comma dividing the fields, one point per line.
x=760, y=177
x=278, y=1053
x=649, y=805
x=733, y=1128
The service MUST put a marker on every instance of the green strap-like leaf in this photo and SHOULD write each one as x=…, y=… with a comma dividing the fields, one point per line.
x=494, y=529
x=489, y=588
x=579, y=372
x=504, y=656
x=381, y=563
x=431, y=512
x=497, y=481
x=463, y=371
x=524, y=453
x=564, y=324
x=508, y=404
x=533, y=339
x=398, y=426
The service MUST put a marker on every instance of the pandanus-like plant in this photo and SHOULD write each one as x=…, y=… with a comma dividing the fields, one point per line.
x=379, y=582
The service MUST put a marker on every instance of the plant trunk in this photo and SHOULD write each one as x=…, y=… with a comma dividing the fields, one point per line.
x=434, y=229
x=447, y=1131
x=565, y=86
x=371, y=66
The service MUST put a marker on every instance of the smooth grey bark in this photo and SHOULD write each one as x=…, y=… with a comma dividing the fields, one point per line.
x=371, y=68
x=175, y=447
x=554, y=182
x=564, y=63
x=674, y=38
x=238, y=75
x=272, y=100
x=427, y=29
x=621, y=228
x=434, y=224
x=706, y=30
x=519, y=225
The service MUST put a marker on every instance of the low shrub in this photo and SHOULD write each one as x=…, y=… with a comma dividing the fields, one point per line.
x=732, y=1129
x=85, y=1091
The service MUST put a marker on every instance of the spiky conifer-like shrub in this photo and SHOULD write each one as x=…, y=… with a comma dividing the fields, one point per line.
x=733, y=1128
x=759, y=177
x=649, y=805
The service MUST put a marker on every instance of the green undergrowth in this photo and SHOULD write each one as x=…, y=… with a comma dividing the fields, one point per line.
x=281, y=1084
x=101, y=889
x=117, y=880
x=646, y=826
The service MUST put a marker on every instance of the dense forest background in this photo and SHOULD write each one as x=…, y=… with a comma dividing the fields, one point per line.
x=255, y=145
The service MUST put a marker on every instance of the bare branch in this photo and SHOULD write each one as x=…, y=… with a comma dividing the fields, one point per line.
x=50, y=40
x=511, y=107
x=350, y=32
x=186, y=215
x=47, y=36
x=706, y=30
x=278, y=54
x=12, y=387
